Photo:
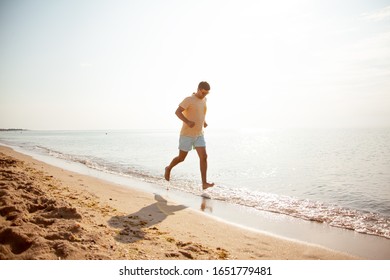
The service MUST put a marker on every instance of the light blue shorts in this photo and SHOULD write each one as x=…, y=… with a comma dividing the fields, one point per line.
x=187, y=143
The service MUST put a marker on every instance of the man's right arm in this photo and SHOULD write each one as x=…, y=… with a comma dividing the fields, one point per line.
x=179, y=114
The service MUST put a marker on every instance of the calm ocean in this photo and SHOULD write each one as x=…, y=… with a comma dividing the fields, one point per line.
x=338, y=177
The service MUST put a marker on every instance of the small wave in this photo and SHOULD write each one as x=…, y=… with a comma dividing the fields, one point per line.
x=100, y=164
x=333, y=215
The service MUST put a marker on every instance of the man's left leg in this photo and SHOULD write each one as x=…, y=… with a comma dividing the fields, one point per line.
x=203, y=166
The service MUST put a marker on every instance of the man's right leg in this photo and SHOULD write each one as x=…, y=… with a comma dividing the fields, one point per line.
x=180, y=158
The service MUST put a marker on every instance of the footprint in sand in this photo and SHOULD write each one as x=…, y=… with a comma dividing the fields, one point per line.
x=18, y=243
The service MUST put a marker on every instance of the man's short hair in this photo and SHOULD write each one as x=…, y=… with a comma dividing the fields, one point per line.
x=204, y=85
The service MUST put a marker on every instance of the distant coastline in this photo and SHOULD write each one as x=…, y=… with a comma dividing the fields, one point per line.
x=13, y=129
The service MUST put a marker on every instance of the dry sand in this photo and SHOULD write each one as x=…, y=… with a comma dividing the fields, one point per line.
x=50, y=213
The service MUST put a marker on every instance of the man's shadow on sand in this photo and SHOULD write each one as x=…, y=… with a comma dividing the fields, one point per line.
x=133, y=226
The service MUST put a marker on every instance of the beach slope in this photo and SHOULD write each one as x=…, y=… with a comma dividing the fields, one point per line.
x=49, y=213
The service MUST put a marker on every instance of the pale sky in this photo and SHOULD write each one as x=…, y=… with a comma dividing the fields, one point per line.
x=88, y=64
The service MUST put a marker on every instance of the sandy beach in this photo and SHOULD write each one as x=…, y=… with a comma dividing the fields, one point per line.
x=50, y=213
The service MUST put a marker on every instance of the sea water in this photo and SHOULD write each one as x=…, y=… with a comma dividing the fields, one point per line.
x=340, y=177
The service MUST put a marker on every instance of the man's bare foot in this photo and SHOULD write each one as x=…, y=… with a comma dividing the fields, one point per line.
x=167, y=174
x=207, y=185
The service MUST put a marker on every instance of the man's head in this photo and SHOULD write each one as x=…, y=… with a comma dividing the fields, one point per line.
x=203, y=89
x=204, y=85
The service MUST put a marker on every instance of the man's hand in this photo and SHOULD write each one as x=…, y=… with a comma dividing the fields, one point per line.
x=190, y=124
x=179, y=114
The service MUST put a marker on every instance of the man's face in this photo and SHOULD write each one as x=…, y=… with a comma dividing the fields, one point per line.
x=203, y=93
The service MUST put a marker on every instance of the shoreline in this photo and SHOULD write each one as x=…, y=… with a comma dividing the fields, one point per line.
x=133, y=224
